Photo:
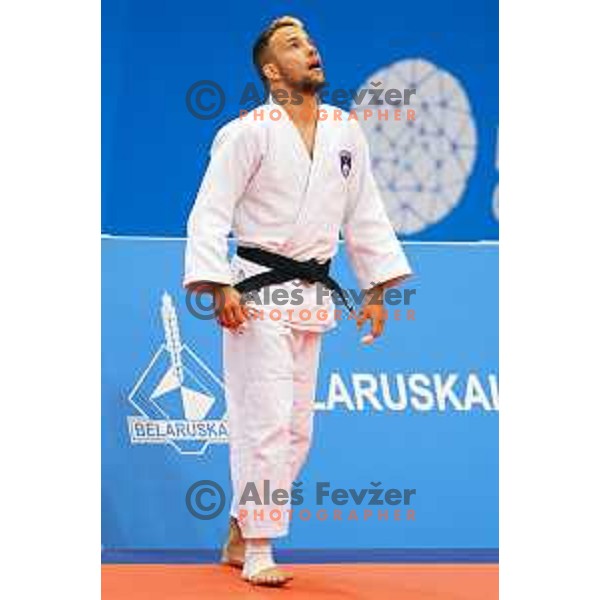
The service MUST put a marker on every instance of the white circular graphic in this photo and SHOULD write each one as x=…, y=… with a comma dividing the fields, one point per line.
x=496, y=204
x=421, y=166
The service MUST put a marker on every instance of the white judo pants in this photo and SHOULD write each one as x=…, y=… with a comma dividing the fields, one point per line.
x=270, y=374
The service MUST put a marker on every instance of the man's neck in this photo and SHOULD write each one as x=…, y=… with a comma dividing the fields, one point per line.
x=299, y=112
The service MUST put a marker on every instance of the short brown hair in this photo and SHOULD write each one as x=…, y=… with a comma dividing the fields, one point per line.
x=262, y=42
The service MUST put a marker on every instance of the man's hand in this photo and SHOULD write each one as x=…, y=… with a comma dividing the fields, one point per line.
x=229, y=310
x=374, y=311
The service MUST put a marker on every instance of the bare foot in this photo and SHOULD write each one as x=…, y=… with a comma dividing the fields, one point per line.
x=234, y=548
x=270, y=577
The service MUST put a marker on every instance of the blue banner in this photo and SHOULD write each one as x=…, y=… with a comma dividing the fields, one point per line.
x=418, y=410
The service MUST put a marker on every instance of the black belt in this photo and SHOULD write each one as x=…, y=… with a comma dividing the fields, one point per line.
x=285, y=269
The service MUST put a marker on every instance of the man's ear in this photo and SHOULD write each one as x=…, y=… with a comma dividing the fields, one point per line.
x=270, y=71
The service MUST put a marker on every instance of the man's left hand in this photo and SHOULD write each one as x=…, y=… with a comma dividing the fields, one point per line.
x=374, y=311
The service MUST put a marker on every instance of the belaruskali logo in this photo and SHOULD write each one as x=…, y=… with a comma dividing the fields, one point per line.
x=180, y=401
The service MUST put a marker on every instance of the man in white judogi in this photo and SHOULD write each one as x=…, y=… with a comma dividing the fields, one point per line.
x=285, y=178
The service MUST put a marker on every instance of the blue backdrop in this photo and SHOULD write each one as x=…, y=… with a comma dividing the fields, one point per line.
x=155, y=150
x=437, y=429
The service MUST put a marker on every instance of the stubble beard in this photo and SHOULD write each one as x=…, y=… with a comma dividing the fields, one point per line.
x=306, y=85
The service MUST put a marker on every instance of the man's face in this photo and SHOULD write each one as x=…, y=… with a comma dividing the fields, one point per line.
x=296, y=58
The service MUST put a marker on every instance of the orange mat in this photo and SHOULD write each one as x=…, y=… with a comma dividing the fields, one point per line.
x=314, y=582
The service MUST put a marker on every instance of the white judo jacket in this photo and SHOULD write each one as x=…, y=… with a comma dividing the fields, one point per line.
x=262, y=184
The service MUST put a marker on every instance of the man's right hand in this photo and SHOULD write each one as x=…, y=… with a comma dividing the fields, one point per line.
x=229, y=309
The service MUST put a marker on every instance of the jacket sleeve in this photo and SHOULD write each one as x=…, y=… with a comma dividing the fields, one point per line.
x=235, y=156
x=374, y=250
